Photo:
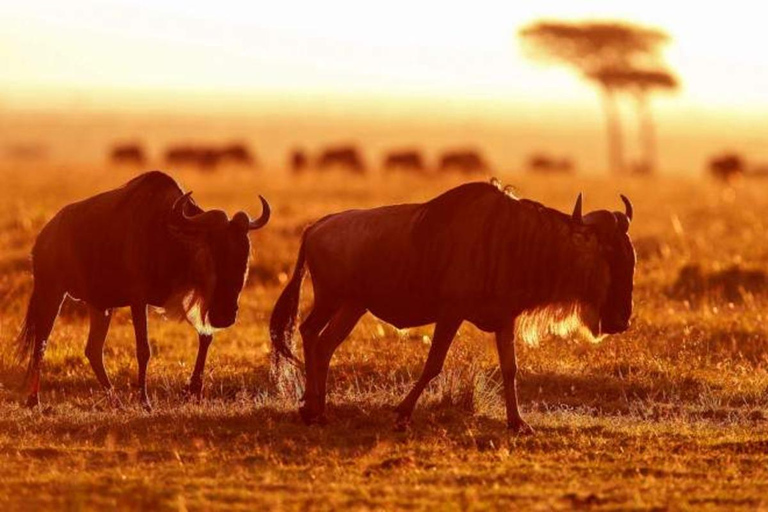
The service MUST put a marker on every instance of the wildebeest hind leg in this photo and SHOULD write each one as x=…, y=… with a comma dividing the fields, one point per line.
x=310, y=330
x=445, y=331
x=337, y=330
x=505, y=344
x=94, y=349
x=43, y=308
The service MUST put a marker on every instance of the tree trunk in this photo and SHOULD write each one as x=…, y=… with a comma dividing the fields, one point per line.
x=647, y=132
x=613, y=131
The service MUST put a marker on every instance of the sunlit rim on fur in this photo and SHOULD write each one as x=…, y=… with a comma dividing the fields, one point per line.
x=560, y=320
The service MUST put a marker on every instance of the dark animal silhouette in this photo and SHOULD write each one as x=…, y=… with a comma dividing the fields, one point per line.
x=237, y=154
x=544, y=164
x=298, y=161
x=405, y=160
x=132, y=154
x=727, y=166
x=472, y=254
x=144, y=244
x=208, y=158
x=465, y=161
x=343, y=157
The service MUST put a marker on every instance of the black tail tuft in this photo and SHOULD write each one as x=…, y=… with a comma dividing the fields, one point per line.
x=282, y=324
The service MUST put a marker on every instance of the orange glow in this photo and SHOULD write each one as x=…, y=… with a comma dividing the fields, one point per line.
x=426, y=51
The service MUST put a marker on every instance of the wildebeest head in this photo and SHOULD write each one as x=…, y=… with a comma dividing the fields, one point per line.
x=615, y=246
x=220, y=263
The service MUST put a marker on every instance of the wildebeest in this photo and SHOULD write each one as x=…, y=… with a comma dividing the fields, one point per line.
x=343, y=157
x=208, y=157
x=298, y=161
x=472, y=254
x=132, y=154
x=144, y=244
x=405, y=160
x=464, y=160
x=727, y=166
x=544, y=164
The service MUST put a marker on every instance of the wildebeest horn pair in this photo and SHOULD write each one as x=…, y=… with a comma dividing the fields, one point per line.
x=619, y=219
x=217, y=218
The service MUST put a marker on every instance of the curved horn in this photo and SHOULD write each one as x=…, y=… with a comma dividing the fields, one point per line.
x=576, y=215
x=265, y=213
x=203, y=220
x=627, y=206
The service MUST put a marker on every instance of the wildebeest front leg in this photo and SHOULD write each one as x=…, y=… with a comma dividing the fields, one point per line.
x=505, y=344
x=142, y=351
x=94, y=349
x=445, y=331
x=195, y=387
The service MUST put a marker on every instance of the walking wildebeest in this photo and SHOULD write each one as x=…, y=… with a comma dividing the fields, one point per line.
x=345, y=157
x=727, y=166
x=128, y=154
x=144, y=244
x=473, y=253
x=405, y=160
x=465, y=161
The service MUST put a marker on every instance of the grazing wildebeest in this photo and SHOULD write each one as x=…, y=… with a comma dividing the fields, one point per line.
x=345, y=157
x=544, y=164
x=405, y=160
x=144, y=244
x=727, y=166
x=203, y=157
x=298, y=161
x=132, y=154
x=237, y=153
x=465, y=161
x=473, y=253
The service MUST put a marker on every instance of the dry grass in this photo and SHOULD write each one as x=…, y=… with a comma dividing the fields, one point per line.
x=672, y=414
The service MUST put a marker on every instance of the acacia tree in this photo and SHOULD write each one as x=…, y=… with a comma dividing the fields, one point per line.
x=615, y=56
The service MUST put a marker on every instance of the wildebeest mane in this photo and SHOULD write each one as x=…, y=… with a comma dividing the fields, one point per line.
x=479, y=244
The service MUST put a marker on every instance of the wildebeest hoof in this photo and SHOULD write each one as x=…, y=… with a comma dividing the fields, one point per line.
x=146, y=405
x=310, y=417
x=520, y=427
x=193, y=392
x=402, y=423
x=33, y=401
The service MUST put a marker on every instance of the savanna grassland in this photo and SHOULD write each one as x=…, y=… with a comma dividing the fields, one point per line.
x=672, y=414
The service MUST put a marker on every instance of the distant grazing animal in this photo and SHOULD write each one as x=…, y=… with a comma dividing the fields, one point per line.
x=345, y=157
x=144, y=244
x=544, y=164
x=132, y=154
x=473, y=253
x=466, y=161
x=207, y=157
x=727, y=166
x=405, y=160
x=237, y=154
x=298, y=161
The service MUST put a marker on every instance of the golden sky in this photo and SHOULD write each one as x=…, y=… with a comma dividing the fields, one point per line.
x=111, y=51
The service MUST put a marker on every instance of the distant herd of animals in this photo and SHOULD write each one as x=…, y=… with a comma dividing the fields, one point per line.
x=473, y=254
x=343, y=157
x=725, y=167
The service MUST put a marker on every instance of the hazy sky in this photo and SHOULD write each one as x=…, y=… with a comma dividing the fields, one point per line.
x=97, y=51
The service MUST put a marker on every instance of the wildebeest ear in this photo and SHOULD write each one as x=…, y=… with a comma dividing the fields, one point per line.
x=622, y=222
x=241, y=220
x=576, y=215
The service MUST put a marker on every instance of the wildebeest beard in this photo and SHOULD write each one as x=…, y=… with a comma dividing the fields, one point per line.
x=534, y=261
x=193, y=302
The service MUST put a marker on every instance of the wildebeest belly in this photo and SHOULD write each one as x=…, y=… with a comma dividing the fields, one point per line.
x=370, y=257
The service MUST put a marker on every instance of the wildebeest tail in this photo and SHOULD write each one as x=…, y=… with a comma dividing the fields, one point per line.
x=282, y=324
x=25, y=342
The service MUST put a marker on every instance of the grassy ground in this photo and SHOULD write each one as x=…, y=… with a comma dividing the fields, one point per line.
x=671, y=414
